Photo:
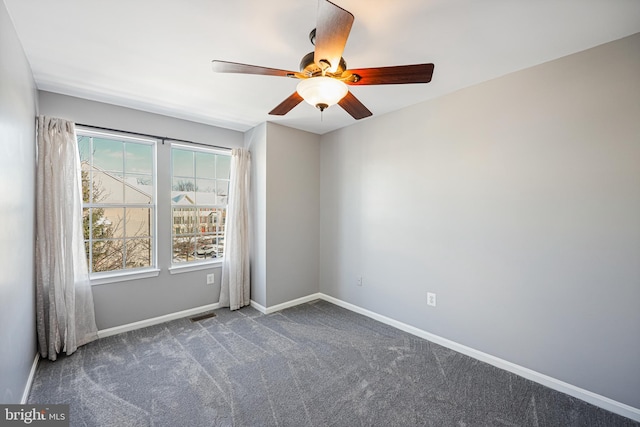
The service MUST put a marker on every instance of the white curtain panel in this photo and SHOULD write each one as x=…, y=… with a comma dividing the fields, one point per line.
x=234, y=291
x=64, y=303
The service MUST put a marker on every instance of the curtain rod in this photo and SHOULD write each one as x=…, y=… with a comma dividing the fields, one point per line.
x=162, y=138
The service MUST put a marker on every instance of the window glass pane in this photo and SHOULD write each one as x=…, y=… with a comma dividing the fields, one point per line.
x=184, y=185
x=182, y=162
x=205, y=247
x=107, y=188
x=206, y=219
x=107, y=155
x=138, y=189
x=223, y=167
x=206, y=194
x=220, y=247
x=222, y=189
x=138, y=222
x=184, y=221
x=184, y=192
x=219, y=218
x=138, y=158
x=205, y=165
x=86, y=223
x=206, y=185
x=84, y=146
x=100, y=226
x=138, y=253
x=108, y=255
x=86, y=184
x=184, y=249
x=109, y=223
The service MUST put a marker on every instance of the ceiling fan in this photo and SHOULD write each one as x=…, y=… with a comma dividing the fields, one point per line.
x=323, y=73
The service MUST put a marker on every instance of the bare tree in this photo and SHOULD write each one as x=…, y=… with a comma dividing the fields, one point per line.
x=185, y=185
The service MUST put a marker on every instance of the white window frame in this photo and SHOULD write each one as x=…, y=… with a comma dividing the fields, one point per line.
x=120, y=275
x=195, y=265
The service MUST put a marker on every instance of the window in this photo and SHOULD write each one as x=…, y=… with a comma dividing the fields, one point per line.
x=199, y=189
x=118, y=191
x=120, y=181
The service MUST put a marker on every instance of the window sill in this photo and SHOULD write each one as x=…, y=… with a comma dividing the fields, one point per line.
x=123, y=276
x=196, y=266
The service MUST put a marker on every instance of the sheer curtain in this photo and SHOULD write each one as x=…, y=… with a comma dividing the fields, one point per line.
x=234, y=291
x=64, y=303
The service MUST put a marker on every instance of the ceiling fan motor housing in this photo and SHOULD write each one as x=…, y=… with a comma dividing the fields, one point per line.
x=309, y=67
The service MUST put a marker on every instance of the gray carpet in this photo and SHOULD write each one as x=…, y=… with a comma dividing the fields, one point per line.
x=312, y=365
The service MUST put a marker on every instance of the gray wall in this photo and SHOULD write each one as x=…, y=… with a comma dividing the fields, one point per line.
x=17, y=210
x=111, y=116
x=517, y=201
x=292, y=221
x=256, y=142
x=285, y=213
x=134, y=300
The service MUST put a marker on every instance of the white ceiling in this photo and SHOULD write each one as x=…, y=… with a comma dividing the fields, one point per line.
x=156, y=55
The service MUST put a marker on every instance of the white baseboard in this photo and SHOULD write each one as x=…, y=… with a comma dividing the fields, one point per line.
x=156, y=320
x=261, y=308
x=553, y=383
x=288, y=304
x=32, y=374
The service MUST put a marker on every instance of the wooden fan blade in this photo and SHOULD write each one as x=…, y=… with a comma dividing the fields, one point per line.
x=401, y=74
x=353, y=106
x=332, y=30
x=234, y=67
x=287, y=105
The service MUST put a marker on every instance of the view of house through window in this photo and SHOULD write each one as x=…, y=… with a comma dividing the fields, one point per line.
x=119, y=206
x=200, y=186
x=118, y=188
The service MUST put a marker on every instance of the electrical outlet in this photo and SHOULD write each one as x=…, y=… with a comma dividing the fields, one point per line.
x=431, y=299
x=359, y=281
x=211, y=278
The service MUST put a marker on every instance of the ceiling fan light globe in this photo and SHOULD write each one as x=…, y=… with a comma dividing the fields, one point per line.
x=322, y=91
